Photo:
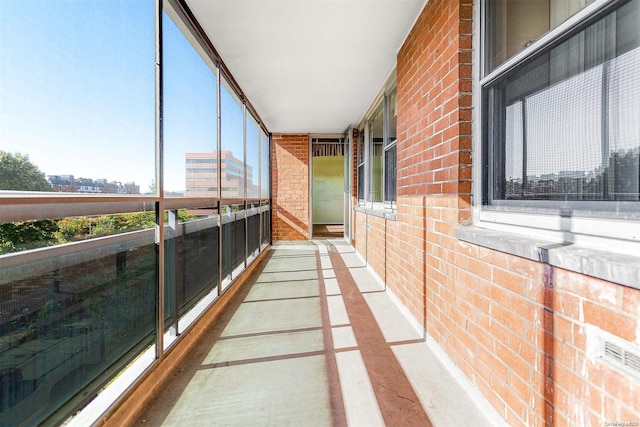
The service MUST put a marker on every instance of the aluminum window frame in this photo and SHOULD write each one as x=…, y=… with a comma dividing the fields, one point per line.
x=616, y=233
x=360, y=163
x=389, y=145
x=380, y=103
x=18, y=206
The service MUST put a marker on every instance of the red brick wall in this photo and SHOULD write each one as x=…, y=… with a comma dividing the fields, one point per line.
x=434, y=90
x=290, y=183
x=516, y=328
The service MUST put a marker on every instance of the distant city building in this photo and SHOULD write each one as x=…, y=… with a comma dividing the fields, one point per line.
x=131, y=188
x=70, y=184
x=202, y=175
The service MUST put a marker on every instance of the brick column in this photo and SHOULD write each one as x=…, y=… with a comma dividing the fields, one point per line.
x=290, y=187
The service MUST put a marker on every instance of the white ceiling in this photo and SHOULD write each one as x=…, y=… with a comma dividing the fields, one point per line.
x=308, y=66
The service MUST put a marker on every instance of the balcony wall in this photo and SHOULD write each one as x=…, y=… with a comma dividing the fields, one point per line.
x=73, y=316
x=518, y=329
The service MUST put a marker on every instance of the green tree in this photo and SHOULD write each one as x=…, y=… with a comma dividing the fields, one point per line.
x=18, y=173
x=19, y=236
x=73, y=228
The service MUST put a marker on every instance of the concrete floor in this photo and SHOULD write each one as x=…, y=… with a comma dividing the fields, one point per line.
x=314, y=340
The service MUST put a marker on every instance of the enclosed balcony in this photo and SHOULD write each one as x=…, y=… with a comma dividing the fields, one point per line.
x=282, y=212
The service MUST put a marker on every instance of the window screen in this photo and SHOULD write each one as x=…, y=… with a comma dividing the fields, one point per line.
x=360, y=155
x=390, y=149
x=565, y=126
x=376, y=141
x=390, y=174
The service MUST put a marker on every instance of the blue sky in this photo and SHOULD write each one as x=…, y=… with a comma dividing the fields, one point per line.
x=77, y=87
x=77, y=91
x=190, y=112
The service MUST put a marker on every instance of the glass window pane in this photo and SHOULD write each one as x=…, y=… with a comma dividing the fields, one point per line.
x=515, y=24
x=78, y=95
x=265, y=156
x=360, y=163
x=561, y=146
x=71, y=312
x=232, y=143
x=361, y=181
x=189, y=118
x=253, y=157
x=624, y=127
x=191, y=259
x=233, y=240
x=390, y=174
x=566, y=127
x=360, y=147
x=376, y=141
x=392, y=116
x=265, y=219
x=391, y=121
x=253, y=229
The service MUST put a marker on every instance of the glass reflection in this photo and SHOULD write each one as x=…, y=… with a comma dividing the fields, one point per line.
x=253, y=158
x=68, y=314
x=516, y=24
x=265, y=220
x=189, y=118
x=233, y=239
x=265, y=157
x=191, y=259
x=232, y=154
x=377, y=141
x=253, y=229
x=78, y=95
x=571, y=123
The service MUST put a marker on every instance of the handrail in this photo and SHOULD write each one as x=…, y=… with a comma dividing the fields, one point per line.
x=32, y=205
x=56, y=257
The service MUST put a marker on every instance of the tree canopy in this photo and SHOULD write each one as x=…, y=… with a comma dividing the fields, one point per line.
x=18, y=173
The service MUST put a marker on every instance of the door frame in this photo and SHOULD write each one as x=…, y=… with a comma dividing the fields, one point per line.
x=348, y=183
x=342, y=136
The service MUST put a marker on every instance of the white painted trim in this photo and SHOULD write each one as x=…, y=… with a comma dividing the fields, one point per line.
x=476, y=123
x=610, y=234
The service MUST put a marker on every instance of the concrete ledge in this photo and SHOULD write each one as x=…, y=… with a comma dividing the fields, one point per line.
x=126, y=410
x=610, y=266
x=514, y=244
x=381, y=213
x=613, y=267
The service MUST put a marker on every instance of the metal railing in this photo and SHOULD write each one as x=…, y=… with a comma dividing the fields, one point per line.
x=72, y=316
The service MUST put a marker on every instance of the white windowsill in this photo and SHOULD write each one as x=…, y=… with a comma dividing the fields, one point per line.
x=378, y=209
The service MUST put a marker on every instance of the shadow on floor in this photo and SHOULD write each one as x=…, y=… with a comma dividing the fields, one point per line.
x=160, y=406
x=328, y=230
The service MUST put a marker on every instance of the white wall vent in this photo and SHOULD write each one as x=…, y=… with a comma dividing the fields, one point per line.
x=614, y=351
